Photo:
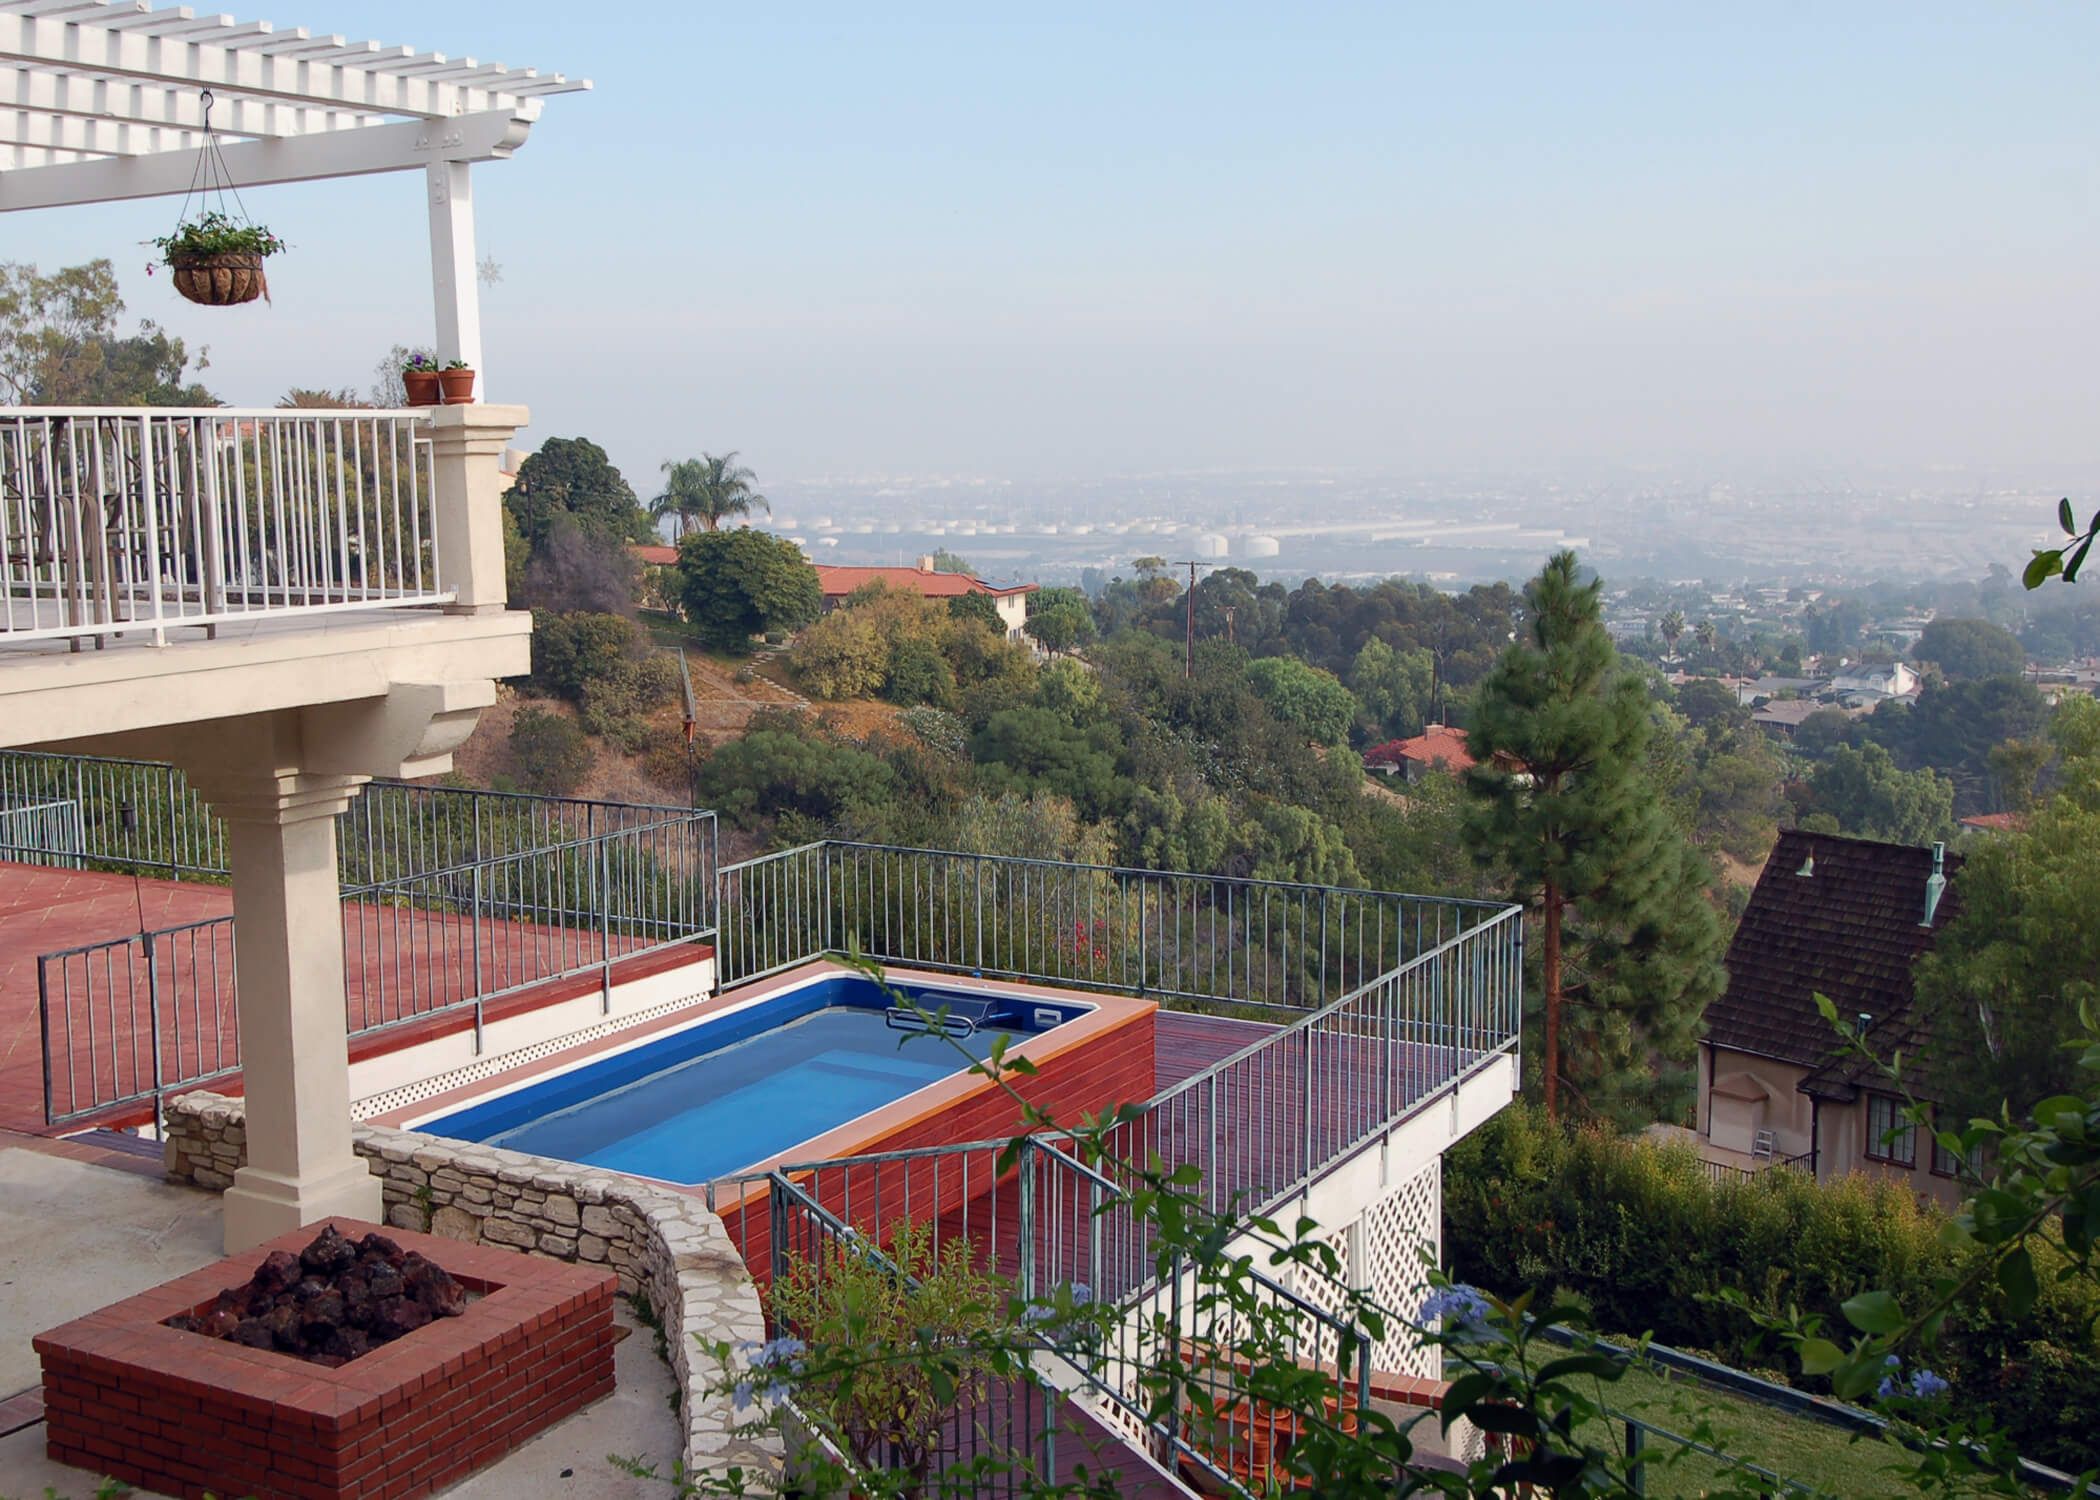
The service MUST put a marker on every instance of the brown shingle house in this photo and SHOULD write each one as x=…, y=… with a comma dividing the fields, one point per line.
x=1846, y=918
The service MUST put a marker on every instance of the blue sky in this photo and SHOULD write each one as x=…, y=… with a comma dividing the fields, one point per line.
x=1090, y=240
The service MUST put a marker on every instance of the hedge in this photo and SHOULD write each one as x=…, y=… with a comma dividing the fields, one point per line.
x=1647, y=1240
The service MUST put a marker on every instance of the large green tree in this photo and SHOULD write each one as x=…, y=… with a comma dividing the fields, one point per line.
x=1060, y=620
x=1309, y=700
x=2004, y=982
x=59, y=345
x=1563, y=804
x=1871, y=798
x=701, y=493
x=1966, y=649
x=572, y=479
x=737, y=584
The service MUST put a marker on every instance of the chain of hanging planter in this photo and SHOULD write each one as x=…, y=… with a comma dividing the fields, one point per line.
x=217, y=257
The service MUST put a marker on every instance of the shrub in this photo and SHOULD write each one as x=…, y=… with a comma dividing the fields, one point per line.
x=843, y=655
x=1641, y=1234
x=919, y=673
x=551, y=752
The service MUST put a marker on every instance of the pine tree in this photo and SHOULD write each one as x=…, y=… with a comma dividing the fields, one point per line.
x=1563, y=804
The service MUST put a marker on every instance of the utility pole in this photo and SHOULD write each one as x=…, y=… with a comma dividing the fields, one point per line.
x=1188, y=663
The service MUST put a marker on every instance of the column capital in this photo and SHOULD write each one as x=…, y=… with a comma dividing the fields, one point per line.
x=476, y=428
x=251, y=794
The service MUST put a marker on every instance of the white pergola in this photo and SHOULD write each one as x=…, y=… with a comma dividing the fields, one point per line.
x=103, y=100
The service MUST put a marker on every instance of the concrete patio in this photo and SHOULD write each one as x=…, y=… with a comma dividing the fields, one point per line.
x=87, y=1226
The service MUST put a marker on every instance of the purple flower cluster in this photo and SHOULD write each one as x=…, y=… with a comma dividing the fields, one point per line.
x=780, y=1356
x=1923, y=1385
x=1462, y=1308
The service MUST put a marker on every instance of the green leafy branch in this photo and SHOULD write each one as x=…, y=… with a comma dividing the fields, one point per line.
x=2051, y=562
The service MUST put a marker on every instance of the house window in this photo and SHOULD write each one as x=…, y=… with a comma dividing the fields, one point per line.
x=1885, y=1114
x=1944, y=1162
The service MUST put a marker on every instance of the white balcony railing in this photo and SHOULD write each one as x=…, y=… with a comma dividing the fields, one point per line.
x=116, y=520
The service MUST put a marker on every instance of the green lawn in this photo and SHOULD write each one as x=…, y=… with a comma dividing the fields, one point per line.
x=1827, y=1459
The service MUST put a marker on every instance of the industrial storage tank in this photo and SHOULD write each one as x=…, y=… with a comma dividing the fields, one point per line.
x=1262, y=546
x=1212, y=545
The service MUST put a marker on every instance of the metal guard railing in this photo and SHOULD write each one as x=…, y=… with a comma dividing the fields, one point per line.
x=1267, y=945
x=1169, y=1362
x=115, y=520
x=137, y=1018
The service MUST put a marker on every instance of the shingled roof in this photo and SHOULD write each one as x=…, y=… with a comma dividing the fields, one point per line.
x=1849, y=928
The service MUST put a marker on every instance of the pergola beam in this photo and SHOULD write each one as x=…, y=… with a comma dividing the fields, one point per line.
x=324, y=71
x=77, y=95
x=408, y=144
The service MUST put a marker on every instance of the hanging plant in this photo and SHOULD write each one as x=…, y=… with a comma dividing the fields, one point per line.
x=217, y=257
x=218, y=261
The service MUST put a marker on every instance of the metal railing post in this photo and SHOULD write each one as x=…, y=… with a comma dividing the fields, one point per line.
x=43, y=1021
x=776, y=1227
x=1027, y=1246
x=149, y=503
x=168, y=826
x=153, y=1023
x=1174, y=1364
x=1636, y=1466
x=605, y=924
x=1307, y=1164
x=474, y=918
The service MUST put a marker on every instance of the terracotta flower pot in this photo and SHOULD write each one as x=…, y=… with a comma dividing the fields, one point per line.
x=459, y=386
x=422, y=387
x=219, y=280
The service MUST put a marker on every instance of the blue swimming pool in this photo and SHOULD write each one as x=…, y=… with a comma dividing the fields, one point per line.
x=742, y=1087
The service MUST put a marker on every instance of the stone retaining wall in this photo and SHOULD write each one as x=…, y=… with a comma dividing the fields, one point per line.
x=664, y=1244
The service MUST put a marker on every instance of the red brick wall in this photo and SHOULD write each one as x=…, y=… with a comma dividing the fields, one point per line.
x=1096, y=1073
x=184, y=1415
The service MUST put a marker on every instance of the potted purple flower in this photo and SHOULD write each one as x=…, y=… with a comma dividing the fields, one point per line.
x=420, y=378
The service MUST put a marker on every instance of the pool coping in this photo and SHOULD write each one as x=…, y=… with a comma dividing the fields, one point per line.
x=1108, y=1013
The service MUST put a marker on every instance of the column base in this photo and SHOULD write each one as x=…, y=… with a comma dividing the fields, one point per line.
x=261, y=1205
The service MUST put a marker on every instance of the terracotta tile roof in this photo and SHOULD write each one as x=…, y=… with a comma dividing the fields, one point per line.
x=1438, y=745
x=2005, y=822
x=660, y=556
x=839, y=580
x=1849, y=930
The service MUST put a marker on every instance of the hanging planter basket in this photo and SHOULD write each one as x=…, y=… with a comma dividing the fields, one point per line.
x=223, y=280
x=216, y=258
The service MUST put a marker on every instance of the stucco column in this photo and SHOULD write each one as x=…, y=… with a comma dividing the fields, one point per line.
x=467, y=444
x=288, y=964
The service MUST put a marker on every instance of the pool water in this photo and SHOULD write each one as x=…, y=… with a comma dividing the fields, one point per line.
x=725, y=1094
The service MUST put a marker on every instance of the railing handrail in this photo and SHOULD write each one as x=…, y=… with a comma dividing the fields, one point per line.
x=771, y=855
x=243, y=413
x=1334, y=1007
x=557, y=799
x=122, y=939
x=534, y=851
x=1246, y=881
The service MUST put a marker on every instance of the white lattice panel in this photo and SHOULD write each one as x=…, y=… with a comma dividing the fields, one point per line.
x=488, y=1067
x=1329, y=1293
x=1397, y=1231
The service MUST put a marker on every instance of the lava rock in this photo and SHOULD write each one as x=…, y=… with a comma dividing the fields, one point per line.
x=280, y=1268
x=336, y=1300
x=329, y=1253
x=252, y=1332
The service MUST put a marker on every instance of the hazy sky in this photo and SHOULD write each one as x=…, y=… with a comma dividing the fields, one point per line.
x=1115, y=238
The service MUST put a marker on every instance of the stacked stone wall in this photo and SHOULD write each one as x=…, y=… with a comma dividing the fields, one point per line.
x=665, y=1245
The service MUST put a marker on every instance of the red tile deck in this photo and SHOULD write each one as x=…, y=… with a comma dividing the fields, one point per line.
x=427, y=957
x=187, y=1415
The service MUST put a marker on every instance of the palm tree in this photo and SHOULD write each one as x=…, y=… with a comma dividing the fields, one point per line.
x=706, y=491
x=1672, y=627
x=1706, y=635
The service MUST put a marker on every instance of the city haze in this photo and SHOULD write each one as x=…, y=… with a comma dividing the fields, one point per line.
x=1631, y=249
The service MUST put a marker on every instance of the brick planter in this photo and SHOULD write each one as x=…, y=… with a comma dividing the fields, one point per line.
x=185, y=1414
